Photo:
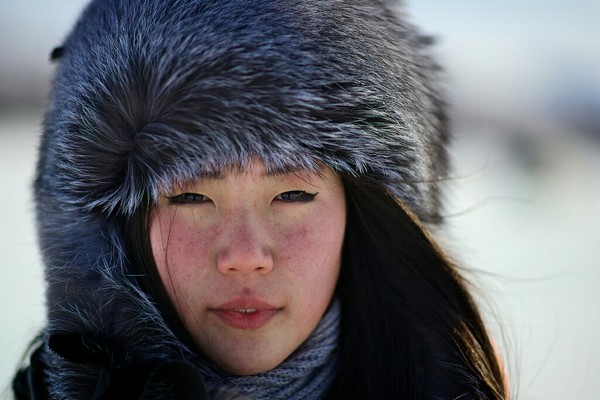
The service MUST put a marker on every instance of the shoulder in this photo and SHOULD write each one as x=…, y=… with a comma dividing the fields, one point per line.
x=71, y=372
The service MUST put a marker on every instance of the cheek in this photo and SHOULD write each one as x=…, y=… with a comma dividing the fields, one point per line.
x=179, y=250
x=311, y=249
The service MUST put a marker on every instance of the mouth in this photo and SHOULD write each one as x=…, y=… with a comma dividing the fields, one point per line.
x=246, y=310
x=246, y=314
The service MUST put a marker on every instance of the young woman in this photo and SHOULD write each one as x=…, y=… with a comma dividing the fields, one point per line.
x=232, y=199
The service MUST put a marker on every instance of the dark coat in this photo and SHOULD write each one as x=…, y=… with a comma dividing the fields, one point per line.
x=152, y=92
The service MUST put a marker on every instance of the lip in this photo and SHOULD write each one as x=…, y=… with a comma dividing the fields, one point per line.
x=246, y=313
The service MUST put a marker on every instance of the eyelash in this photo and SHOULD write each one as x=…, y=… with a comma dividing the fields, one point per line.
x=188, y=198
x=293, y=196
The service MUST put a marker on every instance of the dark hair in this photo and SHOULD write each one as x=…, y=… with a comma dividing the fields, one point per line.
x=410, y=328
x=144, y=270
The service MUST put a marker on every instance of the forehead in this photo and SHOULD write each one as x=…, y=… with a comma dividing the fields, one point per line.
x=258, y=169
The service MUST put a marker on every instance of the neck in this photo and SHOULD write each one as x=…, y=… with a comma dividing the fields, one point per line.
x=306, y=374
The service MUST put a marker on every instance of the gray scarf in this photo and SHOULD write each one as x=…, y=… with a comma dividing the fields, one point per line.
x=305, y=375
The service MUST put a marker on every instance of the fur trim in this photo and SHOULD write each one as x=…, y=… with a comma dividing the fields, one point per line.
x=152, y=93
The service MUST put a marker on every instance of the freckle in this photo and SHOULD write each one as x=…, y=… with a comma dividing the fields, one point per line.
x=303, y=232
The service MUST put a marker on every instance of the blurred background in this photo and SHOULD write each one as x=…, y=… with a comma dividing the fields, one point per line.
x=523, y=203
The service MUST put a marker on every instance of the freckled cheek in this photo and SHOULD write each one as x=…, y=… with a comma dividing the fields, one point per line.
x=181, y=248
x=311, y=249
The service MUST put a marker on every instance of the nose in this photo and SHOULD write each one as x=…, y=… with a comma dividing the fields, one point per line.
x=245, y=247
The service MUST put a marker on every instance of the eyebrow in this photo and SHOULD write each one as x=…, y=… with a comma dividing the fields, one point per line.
x=276, y=172
x=289, y=170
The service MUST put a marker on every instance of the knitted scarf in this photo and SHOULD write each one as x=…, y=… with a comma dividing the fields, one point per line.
x=305, y=375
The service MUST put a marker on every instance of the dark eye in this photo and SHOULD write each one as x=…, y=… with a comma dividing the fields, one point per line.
x=296, y=196
x=188, y=198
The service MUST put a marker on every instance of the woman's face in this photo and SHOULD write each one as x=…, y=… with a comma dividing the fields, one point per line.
x=250, y=260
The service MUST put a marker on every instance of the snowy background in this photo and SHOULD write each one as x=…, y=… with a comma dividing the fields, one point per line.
x=524, y=198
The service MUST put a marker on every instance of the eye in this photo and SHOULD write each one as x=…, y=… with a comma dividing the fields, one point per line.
x=295, y=196
x=188, y=198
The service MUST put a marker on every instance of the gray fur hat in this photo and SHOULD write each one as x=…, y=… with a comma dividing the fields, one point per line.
x=149, y=93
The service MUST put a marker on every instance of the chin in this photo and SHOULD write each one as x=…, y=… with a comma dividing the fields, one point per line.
x=248, y=367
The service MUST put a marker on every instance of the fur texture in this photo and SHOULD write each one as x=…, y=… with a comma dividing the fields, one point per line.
x=151, y=93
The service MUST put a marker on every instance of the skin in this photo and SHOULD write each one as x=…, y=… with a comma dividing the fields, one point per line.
x=251, y=260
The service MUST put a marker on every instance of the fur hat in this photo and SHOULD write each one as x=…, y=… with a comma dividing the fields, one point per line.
x=150, y=93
